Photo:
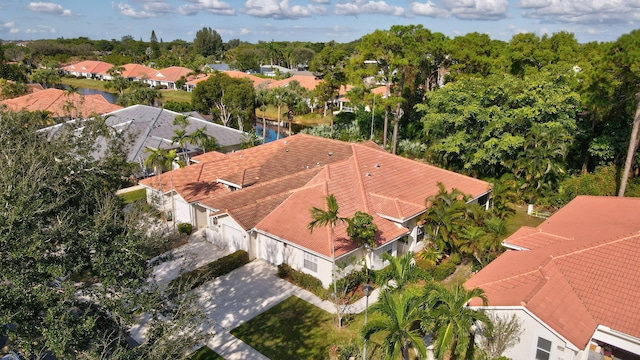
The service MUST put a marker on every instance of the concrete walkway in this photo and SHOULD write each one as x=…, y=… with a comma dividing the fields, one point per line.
x=235, y=298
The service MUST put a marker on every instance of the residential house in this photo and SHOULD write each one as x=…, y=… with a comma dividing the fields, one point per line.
x=61, y=103
x=149, y=127
x=90, y=69
x=572, y=282
x=274, y=70
x=167, y=76
x=259, y=199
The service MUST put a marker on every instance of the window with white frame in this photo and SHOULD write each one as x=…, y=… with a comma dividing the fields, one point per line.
x=543, y=349
x=420, y=233
x=310, y=262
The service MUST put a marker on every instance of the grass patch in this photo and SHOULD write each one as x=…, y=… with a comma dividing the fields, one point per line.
x=310, y=119
x=204, y=353
x=86, y=83
x=176, y=95
x=295, y=329
x=521, y=219
x=132, y=196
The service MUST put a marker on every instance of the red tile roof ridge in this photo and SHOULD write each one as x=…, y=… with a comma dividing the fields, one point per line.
x=598, y=244
x=544, y=279
x=356, y=166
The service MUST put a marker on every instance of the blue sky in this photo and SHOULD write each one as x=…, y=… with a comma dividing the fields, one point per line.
x=313, y=20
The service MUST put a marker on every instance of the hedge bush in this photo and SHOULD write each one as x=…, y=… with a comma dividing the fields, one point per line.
x=194, y=278
x=303, y=280
x=443, y=270
x=185, y=228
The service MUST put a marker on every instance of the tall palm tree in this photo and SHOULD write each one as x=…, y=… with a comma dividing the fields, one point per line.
x=402, y=270
x=262, y=99
x=328, y=217
x=453, y=319
x=362, y=232
x=400, y=318
x=504, y=194
x=444, y=214
x=181, y=138
x=200, y=138
x=276, y=97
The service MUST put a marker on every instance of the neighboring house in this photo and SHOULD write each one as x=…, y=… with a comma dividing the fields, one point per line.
x=167, y=77
x=61, y=103
x=216, y=67
x=90, y=69
x=572, y=282
x=148, y=127
x=152, y=128
x=258, y=82
x=307, y=82
x=274, y=70
x=259, y=199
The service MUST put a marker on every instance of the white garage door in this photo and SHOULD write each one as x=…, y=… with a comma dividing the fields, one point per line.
x=271, y=250
x=235, y=239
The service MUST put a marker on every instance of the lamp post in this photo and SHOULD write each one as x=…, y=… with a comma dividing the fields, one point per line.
x=367, y=291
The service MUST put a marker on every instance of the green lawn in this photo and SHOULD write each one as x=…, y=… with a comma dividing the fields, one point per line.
x=521, y=219
x=85, y=83
x=132, y=196
x=295, y=329
x=204, y=353
x=176, y=95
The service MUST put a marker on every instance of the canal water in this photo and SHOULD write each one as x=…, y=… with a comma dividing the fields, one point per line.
x=110, y=97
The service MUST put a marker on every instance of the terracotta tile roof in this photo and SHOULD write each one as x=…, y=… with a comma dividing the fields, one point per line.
x=170, y=74
x=307, y=82
x=373, y=181
x=137, y=71
x=590, y=277
x=57, y=102
x=252, y=204
x=528, y=238
x=209, y=156
x=257, y=81
x=266, y=162
x=89, y=66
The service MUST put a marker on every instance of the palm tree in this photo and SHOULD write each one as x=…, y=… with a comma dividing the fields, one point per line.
x=453, y=319
x=181, y=138
x=472, y=242
x=443, y=217
x=276, y=97
x=329, y=217
x=362, y=232
x=402, y=270
x=262, y=99
x=400, y=320
x=504, y=194
x=201, y=138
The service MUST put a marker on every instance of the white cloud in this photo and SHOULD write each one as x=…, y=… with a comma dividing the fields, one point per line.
x=281, y=9
x=357, y=7
x=587, y=12
x=213, y=6
x=428, y=9
x=244, y=31
x=49, y=8
x=464, y=9
x=41, y=29
x=477, y=9
x=150, y=8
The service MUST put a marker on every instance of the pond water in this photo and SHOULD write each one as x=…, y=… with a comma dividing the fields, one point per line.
x=271, y=133
x=110, y=97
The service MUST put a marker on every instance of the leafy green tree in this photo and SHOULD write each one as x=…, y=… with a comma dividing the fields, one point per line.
x=208, y=43
x=329, y=65
x=139, y=95
x=46, y=77
x=453, y=319
x=154, y=45
x=328, y=217
x=399, y=318
x=78, y=264
x=11, y=89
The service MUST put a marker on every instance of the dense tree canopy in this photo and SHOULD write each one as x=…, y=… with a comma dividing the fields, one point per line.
x=75, y=264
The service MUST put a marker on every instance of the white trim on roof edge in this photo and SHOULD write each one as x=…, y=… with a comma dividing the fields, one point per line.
x=570, y=345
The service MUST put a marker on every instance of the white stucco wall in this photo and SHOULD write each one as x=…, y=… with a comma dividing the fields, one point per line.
x=182, y=211
x=534, y=328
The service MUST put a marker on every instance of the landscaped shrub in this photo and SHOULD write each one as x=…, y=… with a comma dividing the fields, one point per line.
x=350, y=282
x=304, y=280
x=455, y=258
x=192, y=279
x=185, y=228
x=443, y=270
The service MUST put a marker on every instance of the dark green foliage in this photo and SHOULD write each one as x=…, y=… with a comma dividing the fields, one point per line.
x=305, y=281
x=178, y=106
x=443, y=270
x=455, y=258
x=185, y=228
x=224, y=265
x=208, y=43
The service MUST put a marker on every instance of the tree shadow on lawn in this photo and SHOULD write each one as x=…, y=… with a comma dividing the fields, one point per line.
x=294, y=329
